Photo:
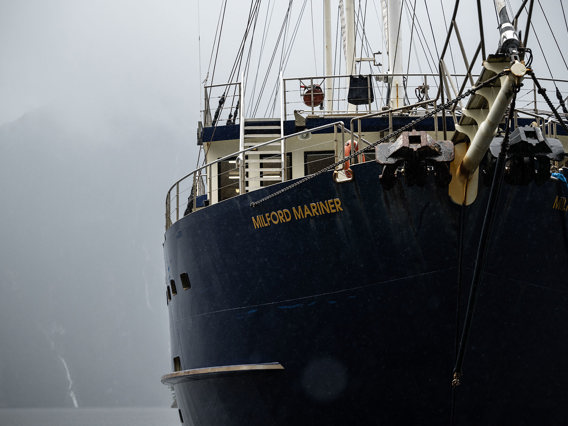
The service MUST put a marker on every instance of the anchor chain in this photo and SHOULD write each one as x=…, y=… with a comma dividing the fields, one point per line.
x=386, y=138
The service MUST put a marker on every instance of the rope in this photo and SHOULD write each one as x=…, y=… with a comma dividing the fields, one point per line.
x=392, y=135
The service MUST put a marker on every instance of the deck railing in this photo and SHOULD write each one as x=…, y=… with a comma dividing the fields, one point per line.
x=222, y=101
x=198, y=183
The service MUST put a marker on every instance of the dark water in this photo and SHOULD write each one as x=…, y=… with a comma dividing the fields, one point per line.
x=89, y=417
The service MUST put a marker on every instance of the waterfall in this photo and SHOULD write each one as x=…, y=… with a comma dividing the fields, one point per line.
x=48, y=335
x=70, y=381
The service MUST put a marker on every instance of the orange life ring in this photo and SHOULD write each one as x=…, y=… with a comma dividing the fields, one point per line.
x=313, y=95
x=347, y=153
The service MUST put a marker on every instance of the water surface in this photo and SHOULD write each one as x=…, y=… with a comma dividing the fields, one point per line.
x=89, y=417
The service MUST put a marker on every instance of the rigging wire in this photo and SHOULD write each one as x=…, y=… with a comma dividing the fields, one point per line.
x=249, y=55
x=262, y=46
x=553, y=36
x=564, y=14
x=236, y=69
x=199, y=59
x=253, y=12
x=432, y=31
x=410, y=44
x=426, y=47
x=272, y=58
x=450, y=45
x=199, y=76
x=286, y=58
x=217, y=40
x=360, y=21
x=366, y=48
x=313, y=37
x=542, y=50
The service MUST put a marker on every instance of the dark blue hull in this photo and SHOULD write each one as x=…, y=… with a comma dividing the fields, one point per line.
x=361, y=305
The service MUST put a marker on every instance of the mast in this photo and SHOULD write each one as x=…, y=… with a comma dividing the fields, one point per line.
x=349, y=37
x=509, y=41
x=328, y=58
x=347, y=10
x=392, y=13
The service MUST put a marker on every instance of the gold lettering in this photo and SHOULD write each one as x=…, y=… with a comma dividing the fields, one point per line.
x=560, y=203
x=314, y=208
x=331, y=206
x=298, y=213
x=337, y=203
x=272, y=216
x=257, y=222
x=319, y=208
x=323, y=207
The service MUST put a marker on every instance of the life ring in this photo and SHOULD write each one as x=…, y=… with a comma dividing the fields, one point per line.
x=347, y=153
x=313, y=95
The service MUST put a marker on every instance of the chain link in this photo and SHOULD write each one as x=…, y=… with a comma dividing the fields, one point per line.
x=386, y=138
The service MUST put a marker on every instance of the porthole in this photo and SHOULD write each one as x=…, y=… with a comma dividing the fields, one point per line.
x=185, y=281
x=177, y=363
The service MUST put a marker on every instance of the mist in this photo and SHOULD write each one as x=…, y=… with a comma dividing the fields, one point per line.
x=100, y=101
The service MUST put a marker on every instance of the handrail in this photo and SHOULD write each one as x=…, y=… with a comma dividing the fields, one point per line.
x=388, y=111
x=232, y=155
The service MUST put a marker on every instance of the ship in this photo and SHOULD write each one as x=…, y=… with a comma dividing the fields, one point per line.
x=388, y=247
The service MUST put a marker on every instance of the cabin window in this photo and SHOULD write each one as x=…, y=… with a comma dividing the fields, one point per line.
x=271, y=165
x=168, y=295
x=185, y=281
x=180, y=416
x=228, y=178
x=314, y=161
x=173, y=286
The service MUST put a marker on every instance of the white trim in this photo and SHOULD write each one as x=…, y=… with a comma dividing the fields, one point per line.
x=199, y=373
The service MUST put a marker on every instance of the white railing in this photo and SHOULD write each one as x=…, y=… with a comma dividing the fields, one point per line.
x=196, y=187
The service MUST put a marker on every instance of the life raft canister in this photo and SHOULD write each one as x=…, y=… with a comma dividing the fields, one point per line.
x=313, y=95
x=347, y=153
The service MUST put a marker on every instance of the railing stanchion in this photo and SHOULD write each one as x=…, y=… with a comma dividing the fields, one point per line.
x=177, y=201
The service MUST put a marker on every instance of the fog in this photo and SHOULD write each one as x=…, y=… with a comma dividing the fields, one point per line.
x=99, y=103
x=98, y=110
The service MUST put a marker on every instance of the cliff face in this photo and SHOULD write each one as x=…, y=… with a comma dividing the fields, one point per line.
x=83, y=316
